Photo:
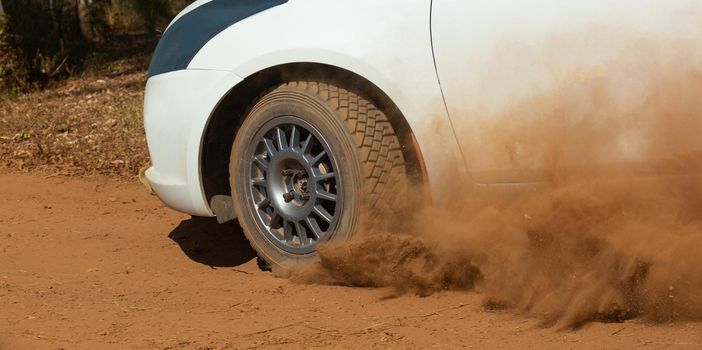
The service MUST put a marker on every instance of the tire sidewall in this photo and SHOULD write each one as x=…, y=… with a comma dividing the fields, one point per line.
x=288, y=101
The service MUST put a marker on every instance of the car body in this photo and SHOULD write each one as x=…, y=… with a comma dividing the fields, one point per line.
x=442, y=68
x=178, y=104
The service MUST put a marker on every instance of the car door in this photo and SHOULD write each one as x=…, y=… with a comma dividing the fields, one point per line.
x=537, y=85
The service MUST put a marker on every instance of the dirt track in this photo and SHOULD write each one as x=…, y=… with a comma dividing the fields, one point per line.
x=97, y=264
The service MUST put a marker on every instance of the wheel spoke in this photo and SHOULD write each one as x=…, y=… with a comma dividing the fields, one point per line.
x=323, y=213
x=319, y=157
x=322, y=194
x=287, y=231
x=302, y=233
x=261, y=182
x=262, y=163
x=270, y=147
x=294, y=137
x=265, y=203
x=323, y=177
x=316, y=230
x=275, y=219
x=306, y=144
x=282, y=140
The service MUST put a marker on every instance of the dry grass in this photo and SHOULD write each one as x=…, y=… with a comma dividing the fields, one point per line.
x=86, y=125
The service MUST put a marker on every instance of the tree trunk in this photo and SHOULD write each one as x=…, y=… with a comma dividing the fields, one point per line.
x=85, y=22
x=2, y=12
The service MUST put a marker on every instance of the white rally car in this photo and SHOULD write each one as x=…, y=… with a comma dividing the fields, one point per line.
x=300, y=117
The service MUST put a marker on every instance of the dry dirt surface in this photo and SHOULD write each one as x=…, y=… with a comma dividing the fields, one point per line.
x=100, y=264
x=87, y=125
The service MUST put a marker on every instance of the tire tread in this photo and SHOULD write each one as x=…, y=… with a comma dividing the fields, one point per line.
x=378, y=148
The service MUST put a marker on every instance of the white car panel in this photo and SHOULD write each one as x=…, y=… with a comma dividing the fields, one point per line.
x=490, y=54
x=493, y=55
x=177, y=107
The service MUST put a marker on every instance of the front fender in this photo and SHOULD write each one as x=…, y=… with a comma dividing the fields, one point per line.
x=177, y=108
x=386, y=42
x=196, y=26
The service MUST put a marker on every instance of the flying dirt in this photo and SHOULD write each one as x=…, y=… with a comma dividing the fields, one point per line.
x=613, y=233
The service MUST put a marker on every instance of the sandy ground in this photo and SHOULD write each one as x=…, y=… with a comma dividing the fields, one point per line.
x=99, y=264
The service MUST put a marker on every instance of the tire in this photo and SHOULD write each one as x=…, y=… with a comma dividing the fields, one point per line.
x=305, y=146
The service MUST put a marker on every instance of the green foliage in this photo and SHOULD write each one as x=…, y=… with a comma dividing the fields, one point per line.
x=61, y=127
x=25, y=135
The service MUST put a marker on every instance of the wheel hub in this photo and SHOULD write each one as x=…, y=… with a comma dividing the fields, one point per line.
x=294, y=185
x=288, y=185
x=297, y=186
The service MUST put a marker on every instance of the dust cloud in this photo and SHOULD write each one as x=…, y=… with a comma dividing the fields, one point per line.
x=614, y=230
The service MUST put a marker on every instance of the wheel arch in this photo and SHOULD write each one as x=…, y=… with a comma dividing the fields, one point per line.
x=227, y=117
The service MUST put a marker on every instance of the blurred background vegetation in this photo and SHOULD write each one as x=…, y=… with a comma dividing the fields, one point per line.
x=42, y=41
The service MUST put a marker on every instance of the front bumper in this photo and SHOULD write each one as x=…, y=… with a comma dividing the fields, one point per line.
x=177, y=108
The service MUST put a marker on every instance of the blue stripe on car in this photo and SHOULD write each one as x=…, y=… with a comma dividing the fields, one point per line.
x=184, y=38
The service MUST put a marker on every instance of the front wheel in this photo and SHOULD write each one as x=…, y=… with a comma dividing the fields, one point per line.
x=310, y=163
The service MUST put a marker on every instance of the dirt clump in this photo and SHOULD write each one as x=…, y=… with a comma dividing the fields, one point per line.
x=600, y=250
x=405, y=263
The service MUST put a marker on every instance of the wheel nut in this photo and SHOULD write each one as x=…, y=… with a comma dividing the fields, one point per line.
x=289, y=197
